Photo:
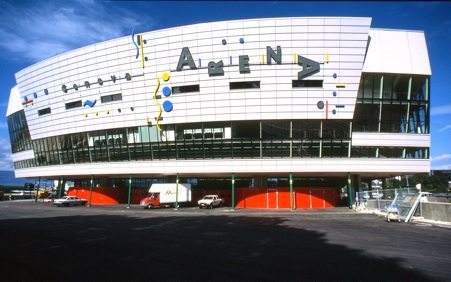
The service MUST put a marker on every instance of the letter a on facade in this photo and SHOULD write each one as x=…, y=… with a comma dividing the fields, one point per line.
x=309, y=67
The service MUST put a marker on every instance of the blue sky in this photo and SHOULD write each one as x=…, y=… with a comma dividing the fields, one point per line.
x=31, y=31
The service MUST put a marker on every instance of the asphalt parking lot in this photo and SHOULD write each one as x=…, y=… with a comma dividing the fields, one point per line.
x=41, y=242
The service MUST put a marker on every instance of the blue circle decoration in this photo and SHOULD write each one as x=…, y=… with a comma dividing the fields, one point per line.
x=166, y=91
x=46, y=92
x=335, y=75
x=25, y=98
x=335, y=93
x=241, y=40
x=35, y=95
x=320, y=105
x=167, y=106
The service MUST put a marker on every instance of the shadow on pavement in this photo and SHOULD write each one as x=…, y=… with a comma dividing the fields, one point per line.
x=219, y=248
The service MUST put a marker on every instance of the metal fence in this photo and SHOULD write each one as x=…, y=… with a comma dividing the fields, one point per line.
x=379, y=199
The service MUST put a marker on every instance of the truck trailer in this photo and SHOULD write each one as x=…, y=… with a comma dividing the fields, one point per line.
x=166, y=194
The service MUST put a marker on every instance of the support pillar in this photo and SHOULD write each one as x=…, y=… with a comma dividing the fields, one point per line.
x=37, y=190
x=129, y=190
x=61, y=187
x=176, y=192
x=90, y=190
x=233, y=191
x=291, y=192
x=350, y=193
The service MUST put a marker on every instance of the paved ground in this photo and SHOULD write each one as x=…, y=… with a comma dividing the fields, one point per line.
x=41, y=242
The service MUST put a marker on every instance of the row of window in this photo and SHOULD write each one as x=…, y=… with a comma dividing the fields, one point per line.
x=250, y=139
x=188, y=89
x=217, y=150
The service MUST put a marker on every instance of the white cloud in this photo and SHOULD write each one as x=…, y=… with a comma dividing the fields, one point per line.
x=441, y=110
x=441, y=158
x=6, y=162
x=444, y=128
x=442, y=167
x=42, y=29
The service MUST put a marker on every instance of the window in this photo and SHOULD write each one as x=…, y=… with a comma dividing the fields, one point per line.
x=111, y=98
x=244, y=85
x=44, y=111
x=72, y=105
x=185, y=89
x=307, y=83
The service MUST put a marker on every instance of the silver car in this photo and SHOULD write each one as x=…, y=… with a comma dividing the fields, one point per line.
x=69, y=200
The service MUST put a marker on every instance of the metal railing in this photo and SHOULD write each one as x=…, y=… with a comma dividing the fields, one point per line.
x=379, y=199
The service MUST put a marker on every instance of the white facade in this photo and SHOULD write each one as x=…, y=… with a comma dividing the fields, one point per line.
x=340, y=46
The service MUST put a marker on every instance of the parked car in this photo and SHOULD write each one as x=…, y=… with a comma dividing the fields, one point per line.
x=210, y=201
x=69, y=200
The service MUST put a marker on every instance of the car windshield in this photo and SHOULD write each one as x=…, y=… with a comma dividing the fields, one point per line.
x=208, y=198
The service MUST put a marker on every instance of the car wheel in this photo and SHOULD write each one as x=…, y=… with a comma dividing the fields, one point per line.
x=211, y=206
x=149, y=206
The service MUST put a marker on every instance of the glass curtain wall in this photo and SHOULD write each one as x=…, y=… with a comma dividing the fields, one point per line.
x=216, y=140
x=392, y=103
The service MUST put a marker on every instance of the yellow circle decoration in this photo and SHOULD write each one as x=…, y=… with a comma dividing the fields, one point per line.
x=165, y=76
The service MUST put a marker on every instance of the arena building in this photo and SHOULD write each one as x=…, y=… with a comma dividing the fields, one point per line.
x=277, y=112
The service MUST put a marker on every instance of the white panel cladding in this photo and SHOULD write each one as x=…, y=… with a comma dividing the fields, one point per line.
x=396, y=51
x=390, y=139
x=344, y=39
x=15, y=102
x=327, y=166
x=24, y=155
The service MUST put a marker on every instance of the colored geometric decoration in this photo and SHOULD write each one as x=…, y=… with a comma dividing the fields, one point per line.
x=133, y=39
x=89, y=103
x=166, y=76
x=166, y=91
x=167, y=106
x=241, y=40
x=224, y=42
x=335, y=75
x=334, y=93
x=35, y=95
x=320, y=105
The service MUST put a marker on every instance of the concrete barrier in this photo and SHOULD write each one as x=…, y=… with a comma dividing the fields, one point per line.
x=437, y=211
